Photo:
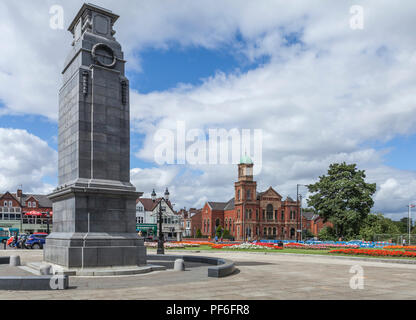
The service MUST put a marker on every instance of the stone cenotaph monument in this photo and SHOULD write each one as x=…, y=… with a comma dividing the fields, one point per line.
x=94, y=206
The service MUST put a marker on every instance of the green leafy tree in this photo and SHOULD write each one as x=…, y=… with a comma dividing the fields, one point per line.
x=327, y=234
x=226, y=234
x=219, y=231
x=343, y=198
x=402, y=225
x=198, y=233
x=377, y=224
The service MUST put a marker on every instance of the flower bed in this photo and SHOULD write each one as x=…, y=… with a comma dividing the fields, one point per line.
x=412, y=248
x=322, y=246
x=247, y=245
x=171, y=245
x=294, y=245
x=255, y=246
x=375, y=252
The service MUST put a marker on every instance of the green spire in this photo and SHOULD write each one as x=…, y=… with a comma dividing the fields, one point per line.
x=246, y=160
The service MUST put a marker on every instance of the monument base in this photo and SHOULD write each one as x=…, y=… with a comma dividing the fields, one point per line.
x=88, y=250
x=94, y=226
x=35, y=267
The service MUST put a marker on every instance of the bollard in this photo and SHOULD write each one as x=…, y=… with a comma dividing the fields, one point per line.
x=4, y=243
x=179, y=265
x=14, y=261
x=46, y=270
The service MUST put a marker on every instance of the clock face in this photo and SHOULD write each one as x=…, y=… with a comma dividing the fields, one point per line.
x=103, y=55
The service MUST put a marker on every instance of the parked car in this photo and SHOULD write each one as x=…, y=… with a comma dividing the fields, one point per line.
x=36, y=240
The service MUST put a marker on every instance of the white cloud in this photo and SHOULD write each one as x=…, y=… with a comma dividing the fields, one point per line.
x=26, y=160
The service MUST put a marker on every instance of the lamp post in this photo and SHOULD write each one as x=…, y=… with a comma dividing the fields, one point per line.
x=47, y=221
x=160, y=243
x=299, y=210
x=411, y=205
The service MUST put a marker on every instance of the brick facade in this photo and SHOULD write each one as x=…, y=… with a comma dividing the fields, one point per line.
x=252, y=215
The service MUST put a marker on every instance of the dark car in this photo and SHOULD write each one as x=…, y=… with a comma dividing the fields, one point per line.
x=36, y=241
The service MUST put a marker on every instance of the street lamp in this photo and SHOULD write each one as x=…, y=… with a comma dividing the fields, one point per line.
x=299, y=209
x=48, y=216
x=411, y=205
x=160, y=244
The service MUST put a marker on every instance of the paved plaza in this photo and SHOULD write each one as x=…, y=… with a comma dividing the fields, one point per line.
x=259, y=276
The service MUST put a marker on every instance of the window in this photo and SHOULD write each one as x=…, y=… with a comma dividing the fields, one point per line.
x=274, y=232
x=33, y=204
x=238, y=194
x=238, y=214
x=29, y=204
x=10, y=204
x=264, y=212
x=269, y=209
x=248, y=194
x=257, y=214
x=275, y=214
x=264, y=232
x=283, y=214
x=5, y=204
x=249, y=214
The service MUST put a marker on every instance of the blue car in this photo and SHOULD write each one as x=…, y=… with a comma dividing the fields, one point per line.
x=36, y=240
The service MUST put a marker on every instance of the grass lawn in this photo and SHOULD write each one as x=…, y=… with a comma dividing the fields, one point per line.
x=207, y=248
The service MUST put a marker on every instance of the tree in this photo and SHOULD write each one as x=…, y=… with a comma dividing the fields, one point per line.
x=343, y=198
x=403, y=224
x=219, y=231
x=377, y=224
x=198, y=233
x=327, y=234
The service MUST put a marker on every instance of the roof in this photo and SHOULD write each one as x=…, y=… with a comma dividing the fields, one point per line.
x=217, y=205
x=309, y=215
x=290, y=199
x=43, y=200
x=260, y=194
x=246, y=160
x=149, y=205
x=230, y=205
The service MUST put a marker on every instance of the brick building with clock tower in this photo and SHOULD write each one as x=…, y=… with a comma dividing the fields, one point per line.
x=251, y=214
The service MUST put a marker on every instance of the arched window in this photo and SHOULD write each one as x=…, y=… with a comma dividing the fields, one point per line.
x=269, y=210
x=292, y=233
x=274, y=232
x=217, y=222
x=264, y=232
x=208, y=225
